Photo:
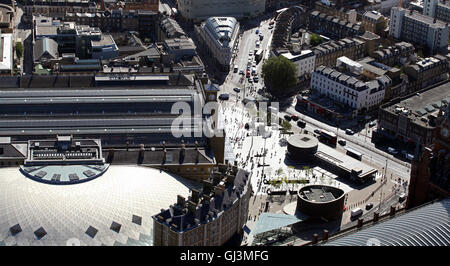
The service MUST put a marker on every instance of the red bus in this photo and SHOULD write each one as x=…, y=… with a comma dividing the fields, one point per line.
x=328, y=137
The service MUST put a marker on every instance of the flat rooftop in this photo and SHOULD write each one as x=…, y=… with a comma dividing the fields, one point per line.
x=342, y=160
x=422, y=104
x=318, y=195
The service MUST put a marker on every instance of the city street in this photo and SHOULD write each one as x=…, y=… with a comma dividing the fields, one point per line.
x=24, y=34
x=360, y=143
x=247, y=44
x=247, y=146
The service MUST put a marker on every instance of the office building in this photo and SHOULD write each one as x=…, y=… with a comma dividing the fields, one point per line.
x=6, y=50
x=411, y=26
x=412, y=119
x=348, y=88
x=198, y=10
x=218, y=37
x=304, y=60
x=439, y=9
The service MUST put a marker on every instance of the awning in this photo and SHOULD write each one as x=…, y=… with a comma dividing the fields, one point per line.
x=271, y=221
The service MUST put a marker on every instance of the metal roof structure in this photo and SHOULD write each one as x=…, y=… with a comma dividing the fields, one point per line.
x=426, y=226
x=271, y=221
x=83, y=213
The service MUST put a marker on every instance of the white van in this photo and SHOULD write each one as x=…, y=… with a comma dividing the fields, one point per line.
x=258, y=43
x=356, y=213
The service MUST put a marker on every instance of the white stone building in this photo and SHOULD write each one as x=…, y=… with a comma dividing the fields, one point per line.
x=305, y=61
x=217, y=36
x=348, y=89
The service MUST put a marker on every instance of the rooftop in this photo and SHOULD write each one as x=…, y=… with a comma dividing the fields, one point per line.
x=172, y=28
x=422, y=104
x=425, y=226
x=424, y=19
x=86, y=211
x=222, y=28
x=218, y=194
x=320, y=193
x=6, y=61
x=105, y=40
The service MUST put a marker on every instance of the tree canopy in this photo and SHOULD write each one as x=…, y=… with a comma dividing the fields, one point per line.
x=315, y=39
x=19, y=49
x=280, y=75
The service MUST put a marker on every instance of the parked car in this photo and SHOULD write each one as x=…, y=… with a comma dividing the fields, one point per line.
x=287, y=117
x=294, y=117
x=369, y=206
x=356, y=213
x=317, y=131
x=392, y=151
x=237, y=90
x=342, y=142
x=224, y=97
x=256, y=79
x=402, y=197
x=241, y=72
x=257, y=31
x=301, y=124
x=349, y=131
x=261, y=36
x=372, y=124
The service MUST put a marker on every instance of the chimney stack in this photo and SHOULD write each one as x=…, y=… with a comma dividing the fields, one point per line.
x=164, y=152
x=195, y=195
x=324, y=235
x=197, y=152
x=181, y=200
x=360, y=223
x=315, y=239
x=376, y=216
x=392, y=212
x=141, y=154
x=182, y=151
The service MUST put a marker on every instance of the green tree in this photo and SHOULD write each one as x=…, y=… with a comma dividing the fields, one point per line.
x=315, y=39
x=280, y=76
x=286, y=126
x=19, y=49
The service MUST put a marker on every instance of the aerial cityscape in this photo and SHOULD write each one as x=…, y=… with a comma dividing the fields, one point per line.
x=229, y=123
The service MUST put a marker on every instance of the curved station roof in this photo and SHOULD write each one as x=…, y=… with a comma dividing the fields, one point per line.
x=115, y=208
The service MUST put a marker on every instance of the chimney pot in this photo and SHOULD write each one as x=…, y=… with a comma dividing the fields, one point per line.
x=360, y=223
x=325, y=235
x=392, y=213
x=315, y=239
x=376, y=216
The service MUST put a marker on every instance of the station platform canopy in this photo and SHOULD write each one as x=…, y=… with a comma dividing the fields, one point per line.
x=272, y=221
